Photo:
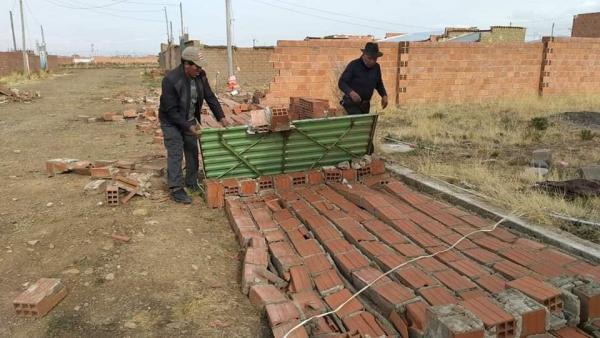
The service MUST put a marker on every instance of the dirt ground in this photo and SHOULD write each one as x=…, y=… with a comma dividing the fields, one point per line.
x=179, y=276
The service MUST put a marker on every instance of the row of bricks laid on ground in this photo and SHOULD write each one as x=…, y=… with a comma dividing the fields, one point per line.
x=470, y=276
x=217, y=190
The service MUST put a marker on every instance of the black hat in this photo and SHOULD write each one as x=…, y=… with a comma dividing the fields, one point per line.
x=372, y=49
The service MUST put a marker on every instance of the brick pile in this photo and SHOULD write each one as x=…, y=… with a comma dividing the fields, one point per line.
x=312, y=239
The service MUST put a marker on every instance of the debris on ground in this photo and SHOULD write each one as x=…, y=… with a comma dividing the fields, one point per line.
x=112, y=177
x=17, y=95
x=40, y=298
x=571, y=189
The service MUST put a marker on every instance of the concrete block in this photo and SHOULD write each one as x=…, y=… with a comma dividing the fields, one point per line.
x=540, y=155
x=591, y=172
x=452, y=320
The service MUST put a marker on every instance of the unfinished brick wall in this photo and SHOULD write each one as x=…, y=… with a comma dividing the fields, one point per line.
x=586, y=25
x=446, y=72
x=571, y=66
x=454, y=72
x=127, y=60
x=11, y=62
x=251, y=66
x=312, y=68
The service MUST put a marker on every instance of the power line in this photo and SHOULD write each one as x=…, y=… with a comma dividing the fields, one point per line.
x=74, y=4
x=102, y=12
x=354, y=17
x=323, y=17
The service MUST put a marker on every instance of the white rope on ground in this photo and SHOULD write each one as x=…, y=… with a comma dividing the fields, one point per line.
x=390, y=271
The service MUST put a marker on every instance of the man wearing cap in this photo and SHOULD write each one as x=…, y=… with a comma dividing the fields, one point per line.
x=183, y=91
x=360, y=78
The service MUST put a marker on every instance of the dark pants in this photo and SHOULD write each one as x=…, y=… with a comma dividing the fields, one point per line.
x=353, y=108
x=178, y=144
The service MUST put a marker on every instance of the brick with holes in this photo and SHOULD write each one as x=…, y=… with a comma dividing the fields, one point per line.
x=40, y=298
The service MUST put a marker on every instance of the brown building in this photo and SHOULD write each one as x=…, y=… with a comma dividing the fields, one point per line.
x=472, y=34
x=586, y=25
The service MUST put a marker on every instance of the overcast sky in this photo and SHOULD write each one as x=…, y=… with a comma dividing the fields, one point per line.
x=138, y=26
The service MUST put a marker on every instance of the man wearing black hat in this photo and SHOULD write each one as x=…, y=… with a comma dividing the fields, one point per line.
x=183, y=91
x=360, y=78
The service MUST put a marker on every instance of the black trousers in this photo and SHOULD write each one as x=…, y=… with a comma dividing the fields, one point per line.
x=353, y=108
x=179, y=144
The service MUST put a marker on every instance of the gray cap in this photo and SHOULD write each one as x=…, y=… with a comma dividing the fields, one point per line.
x=194, y=55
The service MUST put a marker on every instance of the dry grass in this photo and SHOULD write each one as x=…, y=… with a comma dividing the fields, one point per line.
x=486, y=147
x=20, y=78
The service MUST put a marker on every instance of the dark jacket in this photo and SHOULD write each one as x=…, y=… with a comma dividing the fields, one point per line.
x=175, y=99
x=363, y=80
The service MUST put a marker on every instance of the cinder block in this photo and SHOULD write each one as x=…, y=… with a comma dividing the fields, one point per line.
x=453, y=321
x=40, y=298
x=591, y=172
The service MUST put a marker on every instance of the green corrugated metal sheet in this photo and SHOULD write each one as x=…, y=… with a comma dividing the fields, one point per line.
x=232, y=152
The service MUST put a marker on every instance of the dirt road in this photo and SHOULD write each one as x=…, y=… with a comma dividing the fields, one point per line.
x=179, y=276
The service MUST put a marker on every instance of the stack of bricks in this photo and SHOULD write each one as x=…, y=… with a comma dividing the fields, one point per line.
x=325, y=238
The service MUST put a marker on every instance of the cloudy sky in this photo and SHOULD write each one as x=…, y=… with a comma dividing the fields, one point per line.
x=137, y=27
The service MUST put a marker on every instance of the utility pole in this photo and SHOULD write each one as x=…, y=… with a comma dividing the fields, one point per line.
x=552, y=35
x=229, y=47
x=43, y=52
x=25, y=56
x=12, y=28
x=171, y=25
x=181, y=17
x=167, y=22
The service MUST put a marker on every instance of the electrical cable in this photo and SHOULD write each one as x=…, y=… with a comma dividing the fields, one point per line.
x=323, y=17
x=492, y=228
x=99, y=11
x=354, y=17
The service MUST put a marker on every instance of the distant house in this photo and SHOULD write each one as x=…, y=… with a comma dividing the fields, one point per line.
x=466, y=34
x=586, y=25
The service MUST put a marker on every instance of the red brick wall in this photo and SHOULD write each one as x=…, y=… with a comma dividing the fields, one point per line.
x=586, y=25
x=572, y=66
x=11, y=62
x=250, y=65
x=312, y=68
x=429, y=72
x=454, y=72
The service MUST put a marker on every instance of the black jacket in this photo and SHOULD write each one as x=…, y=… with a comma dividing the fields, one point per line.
x=175, y=99
x=362, y=80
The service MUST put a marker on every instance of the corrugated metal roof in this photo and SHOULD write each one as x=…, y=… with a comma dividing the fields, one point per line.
x=232, y=152
x=420, y=36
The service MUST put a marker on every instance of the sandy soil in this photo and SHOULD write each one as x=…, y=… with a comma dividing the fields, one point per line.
x=179, y=276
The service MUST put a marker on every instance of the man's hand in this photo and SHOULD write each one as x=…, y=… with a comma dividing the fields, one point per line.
x=194, y=130
x=384, y=101
x=224, y=122
x=355, y=97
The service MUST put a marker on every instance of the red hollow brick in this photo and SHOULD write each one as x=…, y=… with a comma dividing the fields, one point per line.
x=281, y=313
x=317, y=264
x=454, y=281
x=262, y=295
x=328, y=282
x=416, y=313
x=336, y=299
x=40, y=298
x=309, y=302
x=415, y=278
x=492, y=316
x=545, y=294
x=365, y=324
x=248, y=187
x=437, y=295
x=214, y=194
x=299, y=279
x=282, y=183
